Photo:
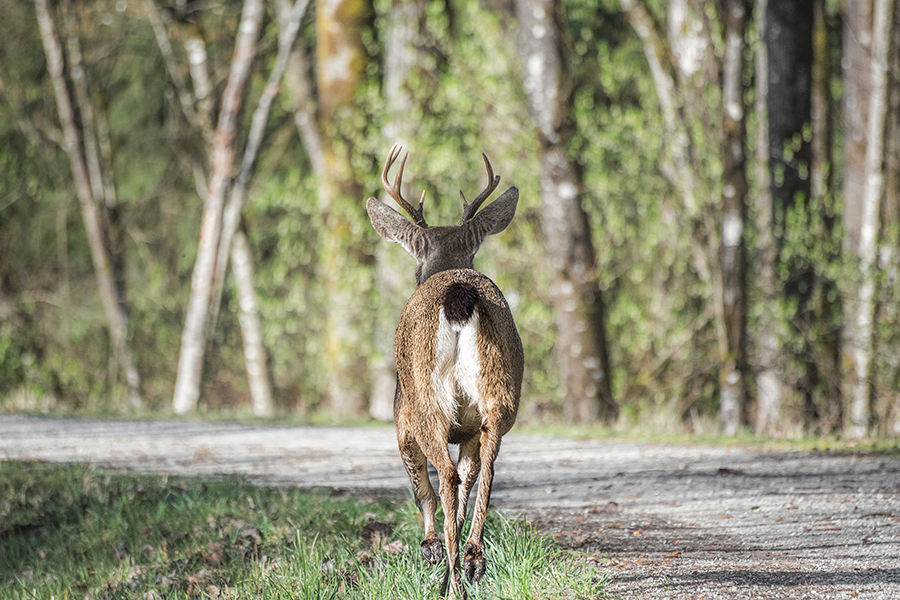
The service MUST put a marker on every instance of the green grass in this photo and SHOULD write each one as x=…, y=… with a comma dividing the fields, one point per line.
x=72, y=531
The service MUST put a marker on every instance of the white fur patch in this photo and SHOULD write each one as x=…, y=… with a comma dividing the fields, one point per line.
x=456, y=364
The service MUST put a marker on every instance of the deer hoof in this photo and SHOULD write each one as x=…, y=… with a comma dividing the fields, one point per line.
x=432, y=550
x=474, y=563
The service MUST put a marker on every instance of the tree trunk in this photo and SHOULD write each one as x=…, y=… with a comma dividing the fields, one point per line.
x=855, y=65
x=768, y=375
x=578, y=304
x=394, y=279
x=300, y=97
x=789, y=47
x=231, y=216
x=248, y=313
x=345, y=270
x=233, y=242
x=74, y=145
x=734, y=192
x=889, y=413
x=190, y=363
x=826, y=305
x=861, y=325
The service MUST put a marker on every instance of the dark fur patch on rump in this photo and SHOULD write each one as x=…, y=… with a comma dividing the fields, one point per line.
x=459, y=302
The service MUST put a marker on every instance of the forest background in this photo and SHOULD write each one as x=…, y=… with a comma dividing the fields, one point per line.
x=706, y=238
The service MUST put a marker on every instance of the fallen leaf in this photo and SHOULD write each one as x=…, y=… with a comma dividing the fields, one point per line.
x=213, y=554
x=395, y=546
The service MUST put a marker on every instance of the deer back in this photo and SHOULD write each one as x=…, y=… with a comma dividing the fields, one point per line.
x=458, y=354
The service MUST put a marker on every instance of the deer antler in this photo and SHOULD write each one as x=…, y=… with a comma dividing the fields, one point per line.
x=469, y=210
x=394, y=190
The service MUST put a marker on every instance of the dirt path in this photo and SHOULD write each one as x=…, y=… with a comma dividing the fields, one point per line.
x=680, y=522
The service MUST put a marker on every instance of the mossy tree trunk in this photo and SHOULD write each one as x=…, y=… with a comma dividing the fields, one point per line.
x=403, y=59
x=346, y=271
x=582, y=347
x=789, y=47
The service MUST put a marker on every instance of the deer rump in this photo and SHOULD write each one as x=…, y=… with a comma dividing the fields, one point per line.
x=454, y=370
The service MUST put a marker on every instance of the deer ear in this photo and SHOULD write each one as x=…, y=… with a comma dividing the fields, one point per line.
x=391, y=225
x=497, y=215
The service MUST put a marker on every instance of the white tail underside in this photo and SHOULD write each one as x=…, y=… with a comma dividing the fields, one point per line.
x=456, y=365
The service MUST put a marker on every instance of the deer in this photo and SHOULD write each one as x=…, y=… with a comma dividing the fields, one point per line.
x=459, y=365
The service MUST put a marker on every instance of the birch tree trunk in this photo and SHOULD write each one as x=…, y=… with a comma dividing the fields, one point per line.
x=861, y=325
x=74, y=144
x=578, y=304
x=242, y=261
x=190, y=363
x=197, y=110
x=732, y=412
x=769, y=373
x=248, y=313
x=855, y=67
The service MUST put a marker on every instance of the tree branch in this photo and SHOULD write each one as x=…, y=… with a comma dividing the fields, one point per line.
x=165, y=48
x=232, y=215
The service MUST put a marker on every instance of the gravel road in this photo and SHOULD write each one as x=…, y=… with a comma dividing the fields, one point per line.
x=666, y=521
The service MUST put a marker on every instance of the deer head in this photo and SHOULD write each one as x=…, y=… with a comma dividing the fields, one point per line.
x=444, y=247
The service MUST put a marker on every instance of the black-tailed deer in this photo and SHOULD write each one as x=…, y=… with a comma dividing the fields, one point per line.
x=459, y=366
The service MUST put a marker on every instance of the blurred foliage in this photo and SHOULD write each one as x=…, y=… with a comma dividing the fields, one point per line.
x=54, y=350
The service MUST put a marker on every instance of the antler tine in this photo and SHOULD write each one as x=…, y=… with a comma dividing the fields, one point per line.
x=469, y=210
x=393, y=190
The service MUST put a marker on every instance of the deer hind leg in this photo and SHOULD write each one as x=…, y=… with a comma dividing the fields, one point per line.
x=427, y=501
x=468, y=465
x=474, y=563
x=449, y=489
